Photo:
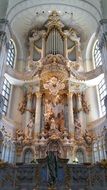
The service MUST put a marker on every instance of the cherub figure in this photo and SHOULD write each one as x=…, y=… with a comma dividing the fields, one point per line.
x=22, y=105
x=87, y=137
x=19, y=136
x=77, y=132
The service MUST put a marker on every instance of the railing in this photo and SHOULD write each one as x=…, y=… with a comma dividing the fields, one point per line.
x=35, y=177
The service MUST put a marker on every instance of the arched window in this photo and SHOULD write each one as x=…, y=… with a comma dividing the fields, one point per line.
x=96, y=152
x=80, y=156
x=102, y=91
x=6, y=93
x=11, y=54
x=6, y=85
x=28, y=156
x=97, y=54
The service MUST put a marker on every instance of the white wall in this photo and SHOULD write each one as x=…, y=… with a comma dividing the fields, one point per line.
x=16, y=98
x=92, y=100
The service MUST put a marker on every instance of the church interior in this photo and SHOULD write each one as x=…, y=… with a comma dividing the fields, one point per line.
x=53, y=95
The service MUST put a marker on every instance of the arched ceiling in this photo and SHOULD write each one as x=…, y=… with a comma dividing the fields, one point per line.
x=80, y=14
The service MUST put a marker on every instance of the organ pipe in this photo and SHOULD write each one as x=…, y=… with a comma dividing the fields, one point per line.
x=54, y=43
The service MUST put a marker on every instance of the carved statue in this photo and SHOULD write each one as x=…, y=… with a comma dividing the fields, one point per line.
x=60, y=121
x=53, y=124
x=30, y=127
x=48, y=110
x=85, y=106
x=73, y=36
x=77, y=132
x=87, y=137
x=22, y=105
x=54, y=19
x=19, y=136
x=35, y=35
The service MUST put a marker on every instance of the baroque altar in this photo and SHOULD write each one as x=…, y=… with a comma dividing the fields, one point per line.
x=54, y=107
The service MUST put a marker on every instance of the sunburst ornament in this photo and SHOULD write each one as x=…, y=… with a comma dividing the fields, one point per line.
x=54, y=85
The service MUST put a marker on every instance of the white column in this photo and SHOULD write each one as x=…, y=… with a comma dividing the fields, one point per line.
x=28, y=109
x=79, y=107
x=79, y=56
x=91, y=96
x=38, y=113
x=70, y=113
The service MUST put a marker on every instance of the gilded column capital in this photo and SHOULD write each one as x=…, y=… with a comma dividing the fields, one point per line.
x=38, y=94
x=64, y=36
x=70, y=94
x=29, y=95
x=43, y=34
x=78, y=94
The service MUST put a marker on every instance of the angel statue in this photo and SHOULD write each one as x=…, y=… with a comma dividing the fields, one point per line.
x=87, y=137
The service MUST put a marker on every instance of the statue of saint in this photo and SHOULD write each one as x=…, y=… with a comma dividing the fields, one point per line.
x=60, y=121
x=53, y=124
x=48, y=109
x=30, y=127
x=19, y=136
x=54, y=133
x=77, y=129
x=22, y=105
x=87, y=137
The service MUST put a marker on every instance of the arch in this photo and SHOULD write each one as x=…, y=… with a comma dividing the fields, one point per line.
x=83, y=151
x=80, y=155
x=96, y=53
x=11, y=53
x=28, y=155
x=101, y=88
x=89, y=55
x=19, y=51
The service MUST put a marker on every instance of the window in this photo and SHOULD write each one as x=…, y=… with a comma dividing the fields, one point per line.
x=6, y=93
x=96, y=152
x=102, y=93
x=6, y=85
x=102, y=90
x=80, y=156
x=11, y=54
x=28, y=157
x=97, y=55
